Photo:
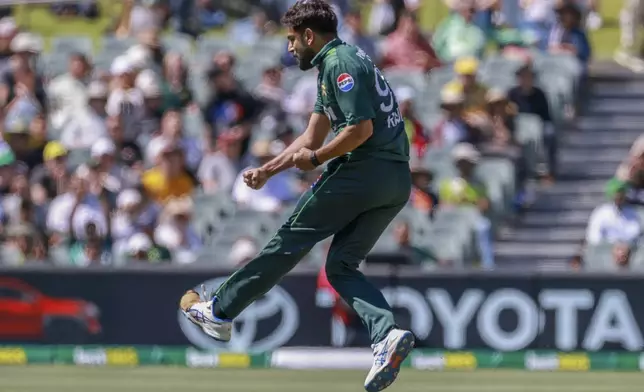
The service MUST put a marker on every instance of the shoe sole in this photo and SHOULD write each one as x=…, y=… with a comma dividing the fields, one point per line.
x=198, y=324
x=389, y=372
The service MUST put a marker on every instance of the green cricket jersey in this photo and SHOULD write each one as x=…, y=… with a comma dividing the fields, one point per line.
x=352, y=89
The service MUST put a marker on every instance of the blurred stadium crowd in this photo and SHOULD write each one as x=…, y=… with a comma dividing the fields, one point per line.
x=129, y=150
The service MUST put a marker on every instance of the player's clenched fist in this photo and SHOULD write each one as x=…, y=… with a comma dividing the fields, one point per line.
x=303, y=159
x=255, y=178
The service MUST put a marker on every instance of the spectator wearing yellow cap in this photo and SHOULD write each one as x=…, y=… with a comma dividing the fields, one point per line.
x=467, y=82
x=51, y=178
x=474, y=92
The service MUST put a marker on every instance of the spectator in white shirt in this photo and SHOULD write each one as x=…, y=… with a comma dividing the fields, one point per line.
x=126, y=101
x=89, y=211
x=85, y=128
x=104, y=155
x=68, y=92
x=614, y=222
x=175, y=232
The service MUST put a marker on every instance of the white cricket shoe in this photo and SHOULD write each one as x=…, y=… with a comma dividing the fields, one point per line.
x=201, y=314
x=389, y=354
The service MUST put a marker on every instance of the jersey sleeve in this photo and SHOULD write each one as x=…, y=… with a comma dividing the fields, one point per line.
x=318, y=108
x=351, y=88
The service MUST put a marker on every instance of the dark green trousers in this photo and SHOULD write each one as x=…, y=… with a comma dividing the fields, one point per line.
x=354, y=202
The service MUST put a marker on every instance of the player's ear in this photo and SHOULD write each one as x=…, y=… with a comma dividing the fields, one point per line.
x=309, y=36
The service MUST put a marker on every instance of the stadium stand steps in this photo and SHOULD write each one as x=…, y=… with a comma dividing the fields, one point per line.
x=551, y=231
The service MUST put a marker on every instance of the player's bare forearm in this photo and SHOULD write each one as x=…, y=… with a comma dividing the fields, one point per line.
x=346, y=141
x=312, y=139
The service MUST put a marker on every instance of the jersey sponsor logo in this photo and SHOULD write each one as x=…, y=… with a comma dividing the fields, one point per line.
x=345, y=82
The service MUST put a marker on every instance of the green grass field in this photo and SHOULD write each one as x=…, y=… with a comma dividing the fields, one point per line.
x=159, y=379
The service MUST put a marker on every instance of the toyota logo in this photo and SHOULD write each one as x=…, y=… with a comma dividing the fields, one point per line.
x=277, y=302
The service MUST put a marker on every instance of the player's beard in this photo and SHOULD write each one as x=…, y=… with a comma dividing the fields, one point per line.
x=305, y=58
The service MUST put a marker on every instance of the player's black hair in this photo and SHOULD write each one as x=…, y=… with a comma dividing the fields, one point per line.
x=316, y=15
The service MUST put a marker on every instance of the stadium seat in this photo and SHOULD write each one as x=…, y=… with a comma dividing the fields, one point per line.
x=598, y=257
x=529, y=133
x=180, y=43
x=116, y=46
x=78, y=156
x=70, y=44
x=207, y=46
x=498, y=175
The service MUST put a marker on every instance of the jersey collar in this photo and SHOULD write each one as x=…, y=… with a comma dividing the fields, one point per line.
x=317, y=60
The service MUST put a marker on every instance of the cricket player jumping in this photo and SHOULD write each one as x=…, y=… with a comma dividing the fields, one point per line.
x=366, y=183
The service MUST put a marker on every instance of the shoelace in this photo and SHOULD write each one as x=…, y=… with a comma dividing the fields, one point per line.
x=205, y=295
x=381, y=357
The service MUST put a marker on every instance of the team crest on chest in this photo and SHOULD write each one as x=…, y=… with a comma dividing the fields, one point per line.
x=345, y=82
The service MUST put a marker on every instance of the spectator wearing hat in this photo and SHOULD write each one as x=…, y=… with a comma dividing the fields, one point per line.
x=109, y=174
x=453, y=127
x=141, y=248
x=567, y=36
x=126, y=101
x=139, y=16
x=279, y=189
x=123, y=220
x=466, y=190
x=175, y=232
x=87, y=125
x=8, y=30
x=169, y=177
x=421, y=197
x=140, y=58
x=22, y=91
x=458, y=35
x=418, y=135
x=232, y=108
x=175, y=92
x=152, y=105
x=502, y=115
x=68, y=93
x=220, y=165
x=28, y=139
x=467, y=81
x=406, y=48
x=51, y=178
x=615, y=223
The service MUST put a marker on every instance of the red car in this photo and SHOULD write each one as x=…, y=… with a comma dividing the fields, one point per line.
x=27, y=314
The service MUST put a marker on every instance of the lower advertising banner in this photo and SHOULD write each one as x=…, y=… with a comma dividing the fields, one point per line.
x=317, y=358
x=458, y=313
